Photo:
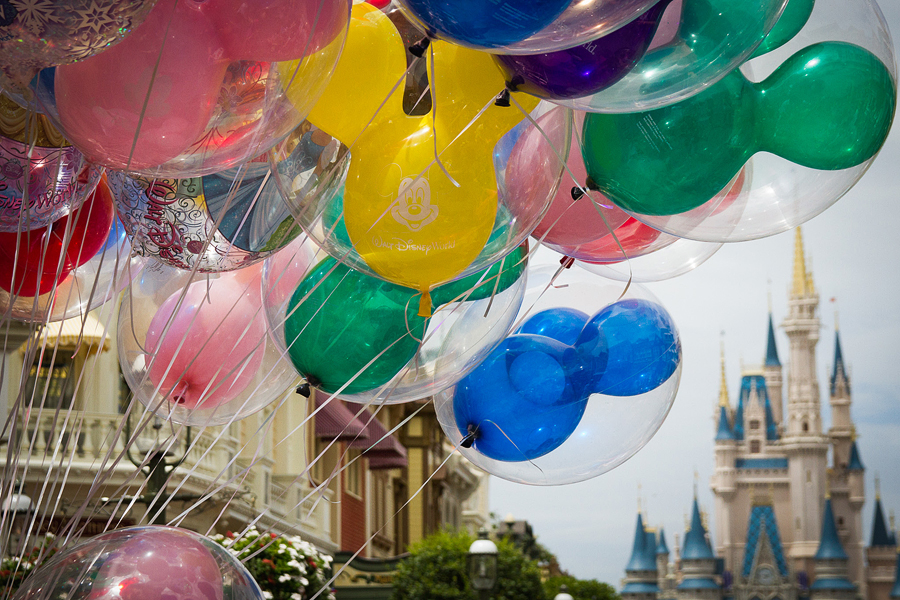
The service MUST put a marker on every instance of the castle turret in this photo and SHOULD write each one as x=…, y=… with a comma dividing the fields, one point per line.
x=773, y=373
x=880, y=555
x=698, y=563
x=640, y=573
x=804, y=443
x=723, y=481
x=831, y=581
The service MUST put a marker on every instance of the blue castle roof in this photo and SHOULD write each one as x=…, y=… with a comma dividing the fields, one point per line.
x=855, y=463
x=661, y=547
x=880, y=536
x=724, y=432
x=771, y=349
x=748, y=382
x=640, y=587
x=832, y=583
x=650, y=548
x=838, y=371
x=830, y=547
x=762, y=519
x=696, y=546
x=641, y=560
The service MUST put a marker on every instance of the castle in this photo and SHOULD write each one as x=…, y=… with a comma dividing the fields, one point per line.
x=788, y=525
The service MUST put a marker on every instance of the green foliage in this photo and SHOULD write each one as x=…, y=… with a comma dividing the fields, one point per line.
x=437, y=570
x=14, y=570
x=580, y=589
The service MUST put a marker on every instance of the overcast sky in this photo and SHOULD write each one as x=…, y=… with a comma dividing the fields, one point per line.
x=853, y=250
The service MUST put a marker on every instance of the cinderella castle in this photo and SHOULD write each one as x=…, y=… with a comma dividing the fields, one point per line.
x=789, y=496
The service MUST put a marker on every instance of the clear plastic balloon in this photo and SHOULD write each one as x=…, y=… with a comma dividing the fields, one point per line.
x=219, y=222
x=555, y=436
x=43, y=34
x=69, y=267
x=830, y=146
x=195, y=351
x=198, y=88
x=712, y=38
x=667, y=257
x=360, y=337
x=489, y=26
x=142, y=563
x=39, y=170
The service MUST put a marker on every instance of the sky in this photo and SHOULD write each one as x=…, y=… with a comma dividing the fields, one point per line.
x=852, y=249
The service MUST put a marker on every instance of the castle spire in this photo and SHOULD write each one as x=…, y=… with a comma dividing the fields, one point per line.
x=771, y=348
x=840, y=381
x=696, y=544
x=802, y=282
x=880, y=535
x=830, y=546
x=723, y=383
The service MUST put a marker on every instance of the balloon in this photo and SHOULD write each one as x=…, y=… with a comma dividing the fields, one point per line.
x=408, y=221
x=35, y=35
x=473, y=316
x=789, y=24
x=642, y=345
x=668, y=257
x=33, y=262
x=140, y=563
x=610, y=428
x=38, y=173
x=190, y=92
x=802, y=112
x=204, y=346
x=713, y=38
x=344, y=327
x=483, y=23
x=561, y=324
x=524, y=400
x=219, y=222
x=586, y=69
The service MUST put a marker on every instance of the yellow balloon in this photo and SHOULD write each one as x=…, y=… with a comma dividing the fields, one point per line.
x=409, y=221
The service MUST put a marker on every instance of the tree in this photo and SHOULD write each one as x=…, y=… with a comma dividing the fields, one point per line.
x=580, y=589
x=437, y=570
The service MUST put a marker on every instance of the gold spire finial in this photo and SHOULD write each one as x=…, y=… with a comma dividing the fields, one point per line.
x=853, y=435
x=723, y=385
x=802, y=284
x=877, y=487
x=769, y=294
x=696, y=482
x=837, y=324
x=828, y=474
x=639, y=497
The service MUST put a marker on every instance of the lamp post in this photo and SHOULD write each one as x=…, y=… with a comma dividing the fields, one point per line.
x=156, y=468
x=563, y=593
x=483, y=565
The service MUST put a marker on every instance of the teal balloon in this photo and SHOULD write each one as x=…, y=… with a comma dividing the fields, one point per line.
x=333, y=220
x=791, y=21
x=339, y=320
x=495, y=279
x=828, y=107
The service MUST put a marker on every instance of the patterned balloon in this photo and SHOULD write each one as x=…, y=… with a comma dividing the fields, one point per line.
x=35, y=34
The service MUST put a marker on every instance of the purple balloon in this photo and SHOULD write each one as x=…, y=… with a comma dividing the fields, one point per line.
x=583, y=70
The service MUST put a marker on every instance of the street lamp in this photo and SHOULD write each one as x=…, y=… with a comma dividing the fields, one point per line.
x=483, y=565
x=16, y=509
x=563, y=593
x=156, y=468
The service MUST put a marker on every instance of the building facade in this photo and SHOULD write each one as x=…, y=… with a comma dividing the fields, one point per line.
x=788, y=494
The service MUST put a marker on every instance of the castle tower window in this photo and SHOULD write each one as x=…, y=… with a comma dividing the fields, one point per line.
x=754, y=446
x=754, y=424
x=805, y=426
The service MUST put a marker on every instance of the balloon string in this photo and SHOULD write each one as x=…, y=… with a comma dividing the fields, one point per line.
x=509, y=439
x=581, y=187
x=434, y=103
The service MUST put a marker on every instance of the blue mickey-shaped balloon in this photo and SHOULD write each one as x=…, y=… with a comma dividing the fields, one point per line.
x=641, y=345
x=562, y=324
x=525, y=399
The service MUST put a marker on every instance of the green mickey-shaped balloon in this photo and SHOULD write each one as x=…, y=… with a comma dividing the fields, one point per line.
x=345, y=327
x=828, y=107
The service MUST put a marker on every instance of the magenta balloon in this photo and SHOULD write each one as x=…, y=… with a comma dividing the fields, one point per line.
x=161, y=563
x=215, y=342
x=570, y=222
x=148, y=99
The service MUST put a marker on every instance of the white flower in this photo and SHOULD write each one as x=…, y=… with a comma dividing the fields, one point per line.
x=296, y=596
x=267, y=595
x=304, y=581
x=284, y=578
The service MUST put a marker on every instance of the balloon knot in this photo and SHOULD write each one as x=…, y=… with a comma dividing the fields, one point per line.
x=591, y=185
x=471, y=436
x=304, y=390
x=577, y=193
x=425, y=305
x=514, y=83
x=418, y=49
x=567, y=261
x=502, y=99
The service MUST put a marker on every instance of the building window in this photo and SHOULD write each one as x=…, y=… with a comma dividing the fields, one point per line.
x=754, y=424
x=754, y=446
x=805, y=426
x=353, y=479
x=808, y=476
x=840, y=521
x=51, y=384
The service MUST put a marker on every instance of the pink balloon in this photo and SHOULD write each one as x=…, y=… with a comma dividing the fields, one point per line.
x=158, y=564
x=146, y=100
x=213, y=346
x=276, y=30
